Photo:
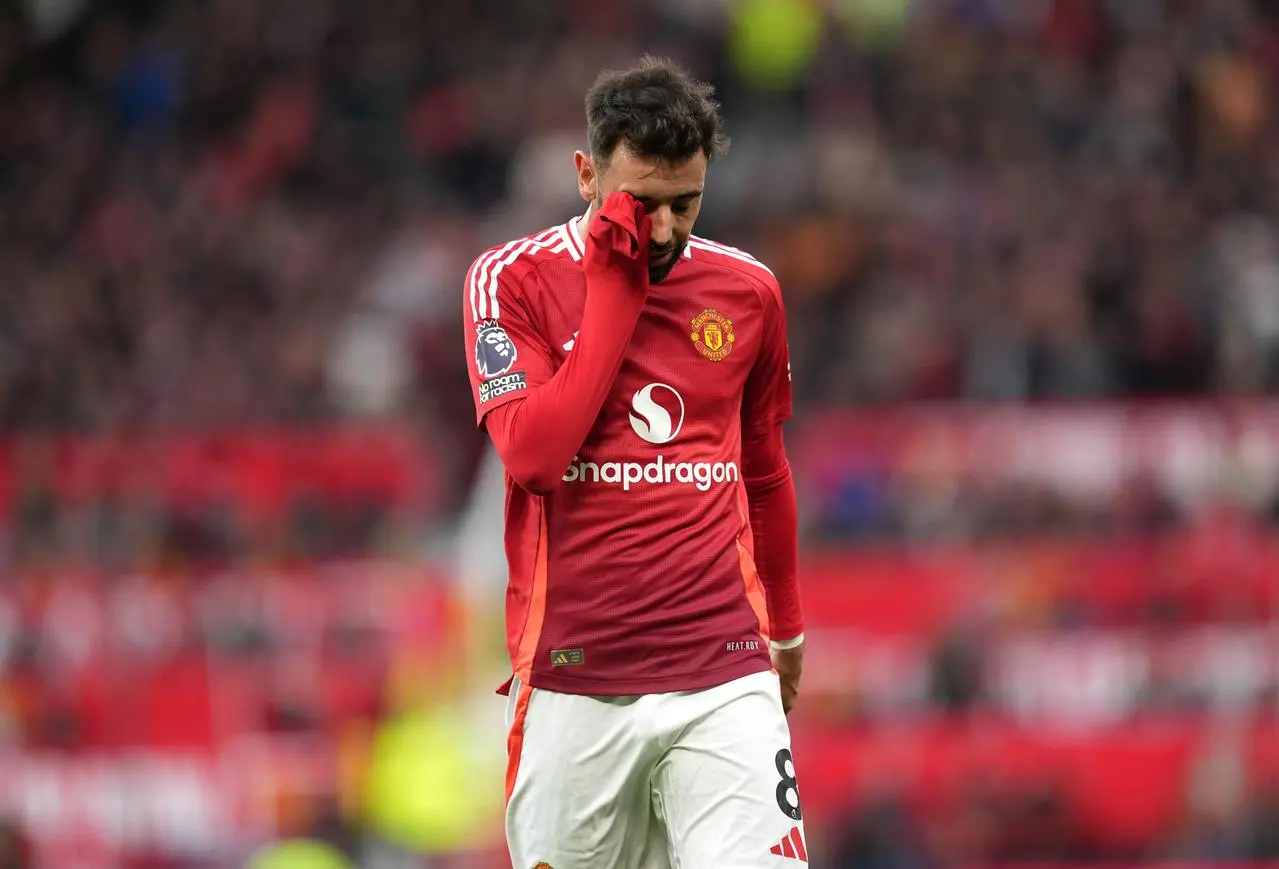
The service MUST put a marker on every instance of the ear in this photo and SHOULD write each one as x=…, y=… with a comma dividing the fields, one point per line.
x=587, y=176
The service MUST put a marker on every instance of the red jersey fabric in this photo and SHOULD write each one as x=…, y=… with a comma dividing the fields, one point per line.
x=632, y=560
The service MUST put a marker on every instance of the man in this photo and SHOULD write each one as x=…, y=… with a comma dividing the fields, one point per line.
x=634, y=379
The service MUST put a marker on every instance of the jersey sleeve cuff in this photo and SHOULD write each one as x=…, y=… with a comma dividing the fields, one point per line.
x=783, y=645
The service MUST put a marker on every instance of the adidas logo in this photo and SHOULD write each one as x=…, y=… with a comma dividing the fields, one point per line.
x=791, y=845
x=567, y=657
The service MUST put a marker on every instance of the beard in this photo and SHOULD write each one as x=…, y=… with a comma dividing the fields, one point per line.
x=657, y=273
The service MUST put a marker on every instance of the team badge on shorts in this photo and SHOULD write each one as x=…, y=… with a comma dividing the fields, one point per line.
x=494, y=349
x=543, y=866
x=712, y=334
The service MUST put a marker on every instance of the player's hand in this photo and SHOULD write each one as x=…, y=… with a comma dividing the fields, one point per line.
x=617, y=240
x=789, y=664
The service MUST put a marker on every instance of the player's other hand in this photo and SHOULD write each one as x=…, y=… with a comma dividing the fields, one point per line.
x=618, y=237
x=789, y=664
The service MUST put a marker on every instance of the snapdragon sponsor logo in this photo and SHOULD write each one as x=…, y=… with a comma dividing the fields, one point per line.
x=703, y=475
x=657, y=413
x=657, y=417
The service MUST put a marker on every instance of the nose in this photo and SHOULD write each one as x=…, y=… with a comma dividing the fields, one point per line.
x=663, y=226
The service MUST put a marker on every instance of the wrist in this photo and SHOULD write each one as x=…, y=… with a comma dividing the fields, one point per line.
x=783, y=645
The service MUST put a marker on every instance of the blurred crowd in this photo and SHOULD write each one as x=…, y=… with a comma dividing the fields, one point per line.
x=248, y=210
x=1033, y=823
x=223, y=213
x=262, y=208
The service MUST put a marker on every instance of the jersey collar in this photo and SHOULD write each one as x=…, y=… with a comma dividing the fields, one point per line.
x=576, y=232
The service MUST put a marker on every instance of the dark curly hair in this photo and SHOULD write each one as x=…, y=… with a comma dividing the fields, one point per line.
x=657, y=110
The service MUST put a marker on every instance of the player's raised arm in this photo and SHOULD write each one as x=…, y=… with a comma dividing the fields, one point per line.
x=541, y=419
x=770, y=492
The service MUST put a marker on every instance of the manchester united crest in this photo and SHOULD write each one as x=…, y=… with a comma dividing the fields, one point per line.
x=712, y=334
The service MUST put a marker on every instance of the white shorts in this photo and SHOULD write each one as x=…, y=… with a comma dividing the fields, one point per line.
x=686, y=780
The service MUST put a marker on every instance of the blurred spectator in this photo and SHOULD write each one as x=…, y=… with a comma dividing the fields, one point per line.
x=881, y=835
x=1231, y=814
x=314, y=836
x=957, y=669
x=14, y=851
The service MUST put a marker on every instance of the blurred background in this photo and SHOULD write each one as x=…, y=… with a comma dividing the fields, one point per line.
x=250, y=561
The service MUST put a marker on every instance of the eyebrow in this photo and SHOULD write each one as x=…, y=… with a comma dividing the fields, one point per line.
x=690, y=194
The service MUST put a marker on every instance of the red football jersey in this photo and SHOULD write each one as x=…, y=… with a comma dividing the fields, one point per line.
x=636, y=575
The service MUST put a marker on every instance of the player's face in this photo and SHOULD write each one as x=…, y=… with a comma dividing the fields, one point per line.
x=671, y=192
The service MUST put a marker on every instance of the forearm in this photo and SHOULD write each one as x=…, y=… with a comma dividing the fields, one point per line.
x=538, y=435
x=770, y=491
x=774, y=526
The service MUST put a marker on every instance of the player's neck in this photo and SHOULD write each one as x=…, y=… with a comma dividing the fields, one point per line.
x=581, y=223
